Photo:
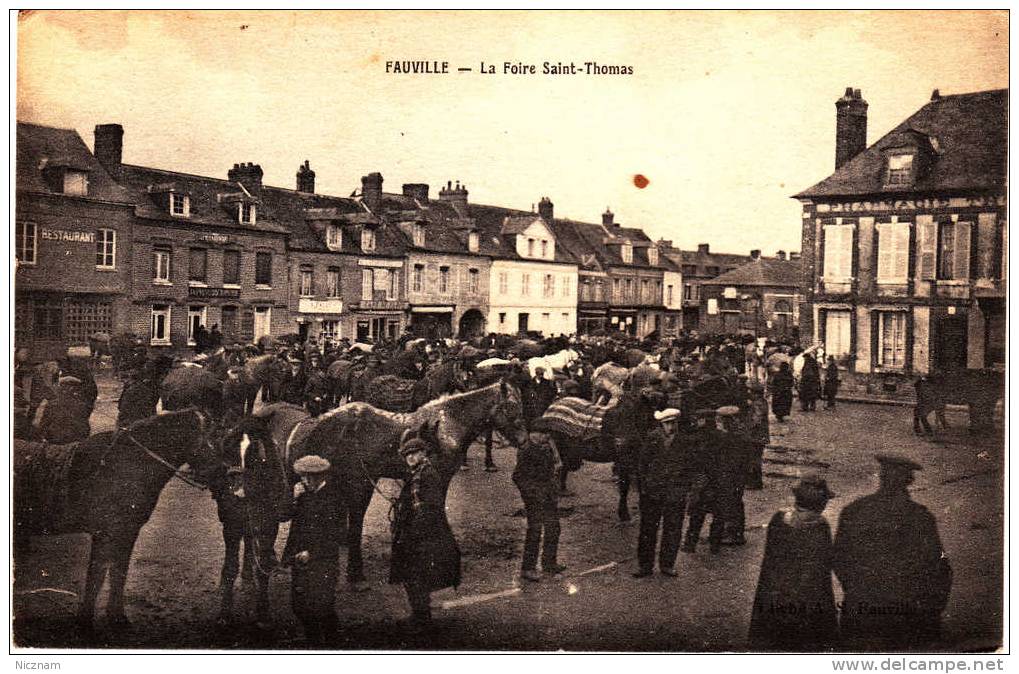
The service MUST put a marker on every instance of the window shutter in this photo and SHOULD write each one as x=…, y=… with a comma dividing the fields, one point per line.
x=885, y=251
x=820, y=254
x=928, y=258
x=366, y=284
x=900, y=265
x=875, y=339
x=831, y=247
x=962, y=250
x=846, y=251
x=155, y=263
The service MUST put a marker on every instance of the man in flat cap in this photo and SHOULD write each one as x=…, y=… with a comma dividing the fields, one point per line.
x=537, y=477
x=313, y=549
x=714, y=492
x=893, y=570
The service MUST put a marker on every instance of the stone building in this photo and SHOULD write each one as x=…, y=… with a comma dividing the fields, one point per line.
x=72, y=243
x=904, y=245
x=696, y=267
x=760, y=298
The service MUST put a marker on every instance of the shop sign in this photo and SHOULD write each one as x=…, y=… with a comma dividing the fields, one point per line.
x=228, y=293
x=214, y=238
x=69, y=236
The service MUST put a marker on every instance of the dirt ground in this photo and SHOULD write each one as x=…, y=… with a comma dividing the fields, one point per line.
x=172, y=597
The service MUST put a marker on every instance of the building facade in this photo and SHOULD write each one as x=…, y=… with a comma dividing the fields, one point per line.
x=696, y=267
x=904, y=245
x=760, y=298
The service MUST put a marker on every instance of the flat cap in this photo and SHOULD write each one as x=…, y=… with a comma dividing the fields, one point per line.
x=68, y=379
x=311, y=464
x=668, y=414
x=727, y=411
x=897, y=461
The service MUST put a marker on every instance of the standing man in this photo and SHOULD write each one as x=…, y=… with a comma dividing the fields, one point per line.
x=705, y=495
x=893, y=570
x=831, y=383
x=536, y=476
x=140, y=397
x=758, y=433
x=540, y=393
x=664, y=478
x=313, y=549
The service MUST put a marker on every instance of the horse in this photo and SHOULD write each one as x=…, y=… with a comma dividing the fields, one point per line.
x=288, y=424
x=259, y=374
x=190, y=385
x=252, y=495
x=106, y=486
x=361, y=441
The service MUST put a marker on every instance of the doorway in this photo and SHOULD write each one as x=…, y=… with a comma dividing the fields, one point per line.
x=522, y=322
x=951, y=343
x=263, y=322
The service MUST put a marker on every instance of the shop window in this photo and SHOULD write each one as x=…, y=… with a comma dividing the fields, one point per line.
x=48, y=319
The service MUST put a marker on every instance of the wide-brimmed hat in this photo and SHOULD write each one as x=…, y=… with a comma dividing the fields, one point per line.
x=311, y=465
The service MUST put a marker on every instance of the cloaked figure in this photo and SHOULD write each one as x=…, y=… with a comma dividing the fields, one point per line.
x=794, y=608
x=893, y=570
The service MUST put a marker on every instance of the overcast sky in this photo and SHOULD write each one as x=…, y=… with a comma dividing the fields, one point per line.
x=726, y=113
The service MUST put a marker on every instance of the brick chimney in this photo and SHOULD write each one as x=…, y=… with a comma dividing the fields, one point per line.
x=249, y=175
x=703, y=248
x=457, y=196
x=780, y=254
x=794, y=256
x=109, y=147
x=850, y=126
x=306, y=178
x=755, y=254
x=545, y=209
x=371, y=192
x=417, y=191
x=607, y=218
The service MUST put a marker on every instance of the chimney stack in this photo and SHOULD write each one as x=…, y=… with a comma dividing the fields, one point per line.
x=703, y=248
x=371, y=192
x=935, y=96
x=249, y=175
x=545, y=209
x=607, y=217
x=306, y=178
x=109, y=147
x=794, y=256
x=850, y=126
x=417, y=191
x=755, y=254
x=455, y=196
x=780, y=254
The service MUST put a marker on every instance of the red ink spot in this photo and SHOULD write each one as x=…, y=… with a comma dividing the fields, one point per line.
x=640, y=181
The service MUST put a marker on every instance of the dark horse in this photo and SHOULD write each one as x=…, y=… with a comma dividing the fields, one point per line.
x=585, y=432
x=252, y=495
x=111, y=483
x=361, y=443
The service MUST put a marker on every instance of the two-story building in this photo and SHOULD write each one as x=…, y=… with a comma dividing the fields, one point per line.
x=696, y=267
x=760, y=298
x=904, y=253
x=72, y=243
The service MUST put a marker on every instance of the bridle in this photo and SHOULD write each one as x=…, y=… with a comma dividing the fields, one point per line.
x=177, y=472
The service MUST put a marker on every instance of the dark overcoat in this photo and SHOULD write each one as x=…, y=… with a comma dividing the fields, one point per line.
x=137, y=401
x=425, y=553
x=781, y=393
x=65, y=419
x=668, y=466
x=317, y=526
x=794, y=608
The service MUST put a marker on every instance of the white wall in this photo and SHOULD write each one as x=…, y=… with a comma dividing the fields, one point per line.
x=561, y=307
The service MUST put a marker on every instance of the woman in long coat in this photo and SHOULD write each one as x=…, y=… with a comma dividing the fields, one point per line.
x=425, y=554
x=810, y=384
x=794, y=608
x=782, y=392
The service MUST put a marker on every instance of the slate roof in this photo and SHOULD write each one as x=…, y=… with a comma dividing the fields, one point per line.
x=762, y=272
x=970, y=133
x=586, y=239
x=41, y=146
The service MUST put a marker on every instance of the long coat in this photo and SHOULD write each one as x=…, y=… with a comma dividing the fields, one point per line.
x=810, y=381
x=794, y=608
x=668, y=466
x=781, y=393
x=318, y=527
x=424, y=550
x=137, y=401
x=65, y=419
x=889, y=560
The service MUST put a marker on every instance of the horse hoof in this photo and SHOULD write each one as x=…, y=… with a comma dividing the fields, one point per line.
x=358, y=586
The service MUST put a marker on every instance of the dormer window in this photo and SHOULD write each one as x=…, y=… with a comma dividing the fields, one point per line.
x=419, y=235
x=334, y=237
x=76, y=183
x=247, y=213
x=472, y=242
x=544, y=248
x=626, y=252
x=530, y=248
x=652, y=256
x=900, y=169
x=367, y=239
x=180, y=205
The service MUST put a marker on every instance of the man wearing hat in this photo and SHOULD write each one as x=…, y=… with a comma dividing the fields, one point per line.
x=139, y=397
x=538, y=395
x=64, y=418
x=758, y=432
x=892, y=567
x=664, y=474
x=317, y=389
x=293, y=383
x=313, y=549
x=713, y=491
x=536, y=476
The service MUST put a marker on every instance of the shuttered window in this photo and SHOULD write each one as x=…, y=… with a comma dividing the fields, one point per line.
x=954, y=250
x=366, y=284
x=927, y=255
x=231, y=267
x=837, y=332
x=893, y=252
x=263, y=269
x=838, y=253
x=962, y=249
x=892, y=339
x=197, y=264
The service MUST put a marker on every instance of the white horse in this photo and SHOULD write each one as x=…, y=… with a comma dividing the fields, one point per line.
x=551, y=363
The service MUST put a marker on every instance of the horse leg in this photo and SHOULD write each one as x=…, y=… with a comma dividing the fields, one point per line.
x=97, y=563
x=121, y=559
x=357, y=505
x=489, y=461
x=228, y=575
x=248, y=560
x=263, y=572
x=624, y=493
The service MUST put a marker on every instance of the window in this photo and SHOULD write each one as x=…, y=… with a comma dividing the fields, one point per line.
x=617, y=289
x=900, y=169
x=443, y=280
x=599, y=292
x=473, y=281
x=953, y=250
x=247, y=213
x=334, y=237
x=893, y=252
x=332, y=282
x=49, y=318
x=652, y=256
x=83, y=318
x=419, y=236
x=546, y=320
x=712, y=270
x=627, y=253
x=472, y=242
x=837, y=330
x=566, y=286
x=160, y=332
x=25, y=236
x=668, y=294
x=690, y=269
x=891, y=336
x=544, y=248
x=549, y=288
x=197, y=265
x=330, y=330
x=75, y=183
x=196, y=317
x=658, y=292
x=180, y=205
x=367, y=284
x=307, y=278
x=417, y=280
x=367, y=239
x=231, y=267
x=838, y=253
x=689, y=291
x=161, y=264
x=228, y=323
x=106, y=248
x=629, y=289
x=393, y=290
x=525, y=284
x=503, y=283
x=502, y=318
x=530, y=248
x=645, y=290
x=263, y=269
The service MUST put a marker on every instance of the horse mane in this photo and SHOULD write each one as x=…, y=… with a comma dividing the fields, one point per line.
x=161, y=418
x=444, y=399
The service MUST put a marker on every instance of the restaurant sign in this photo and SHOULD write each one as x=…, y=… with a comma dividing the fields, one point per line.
x=67, y=235
x=198, y=291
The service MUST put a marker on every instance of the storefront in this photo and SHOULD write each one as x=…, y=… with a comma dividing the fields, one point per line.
x=433, y=322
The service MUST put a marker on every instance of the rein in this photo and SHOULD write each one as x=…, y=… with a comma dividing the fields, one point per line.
x=177, y=473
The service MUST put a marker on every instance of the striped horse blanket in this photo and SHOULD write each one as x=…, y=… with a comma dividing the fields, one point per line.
x=576, y=418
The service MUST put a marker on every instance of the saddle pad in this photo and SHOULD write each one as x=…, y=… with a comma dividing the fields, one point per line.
x=42, y=485
x=575, y=417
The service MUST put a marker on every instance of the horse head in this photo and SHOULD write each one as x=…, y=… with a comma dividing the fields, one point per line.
x=247, y=453
x=507, y=415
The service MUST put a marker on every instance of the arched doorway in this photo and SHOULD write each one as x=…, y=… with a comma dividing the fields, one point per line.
x=472, y=324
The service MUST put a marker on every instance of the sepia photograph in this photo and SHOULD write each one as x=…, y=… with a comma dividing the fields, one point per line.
x=509, y=331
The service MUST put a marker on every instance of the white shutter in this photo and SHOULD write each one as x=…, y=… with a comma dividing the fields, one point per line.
x=927, y=247
x=961, y=262
x=885, y=252
x=832, y=243
x=366, y=284
x=900, y=266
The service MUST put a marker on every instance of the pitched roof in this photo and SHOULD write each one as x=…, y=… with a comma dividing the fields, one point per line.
x=970, y=149
x=589, y=239
x=762, y=272
x=41, y=146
